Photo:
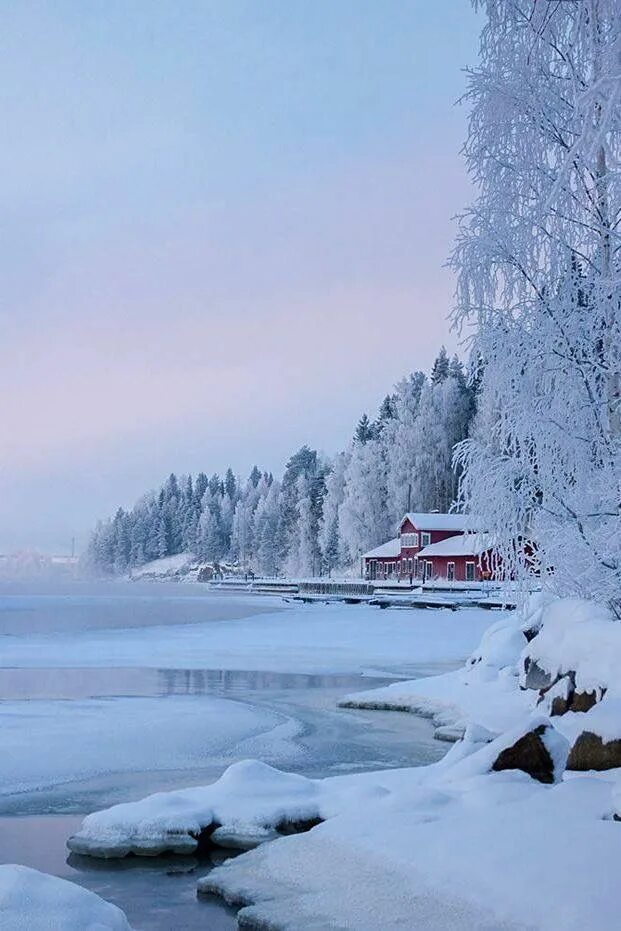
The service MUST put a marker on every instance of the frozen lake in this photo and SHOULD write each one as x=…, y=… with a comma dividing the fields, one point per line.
x=111, y=692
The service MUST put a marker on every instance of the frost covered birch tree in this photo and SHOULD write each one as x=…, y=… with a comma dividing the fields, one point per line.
x=538, y=260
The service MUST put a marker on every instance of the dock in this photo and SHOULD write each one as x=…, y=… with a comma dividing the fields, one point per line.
x=377, y=594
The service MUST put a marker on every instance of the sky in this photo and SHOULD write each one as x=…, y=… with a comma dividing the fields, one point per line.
x=223, y=234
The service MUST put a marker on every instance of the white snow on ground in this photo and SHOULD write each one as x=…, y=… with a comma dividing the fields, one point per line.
x=498, y=851
x=449, y=846
x=34, y=901
x=47, y=743
x=310, y=638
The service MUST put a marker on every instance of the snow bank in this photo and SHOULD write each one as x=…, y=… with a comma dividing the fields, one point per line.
x=487, y=857
x=34, y=901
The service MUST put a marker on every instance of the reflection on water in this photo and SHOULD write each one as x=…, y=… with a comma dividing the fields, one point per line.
x=156, y=894
x=117, y=682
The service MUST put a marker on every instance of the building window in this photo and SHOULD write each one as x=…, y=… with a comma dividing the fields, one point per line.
x=428, y=569
x=425, y=538
x=410, y=566
x=469, y=572
x=450, y=572
x=409, y=539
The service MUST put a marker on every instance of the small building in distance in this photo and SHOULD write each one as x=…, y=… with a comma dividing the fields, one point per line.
x=432, y=546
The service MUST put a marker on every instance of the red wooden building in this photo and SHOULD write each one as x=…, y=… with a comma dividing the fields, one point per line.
x=432, y=546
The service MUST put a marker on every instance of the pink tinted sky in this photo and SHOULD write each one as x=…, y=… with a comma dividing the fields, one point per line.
x=185, y=294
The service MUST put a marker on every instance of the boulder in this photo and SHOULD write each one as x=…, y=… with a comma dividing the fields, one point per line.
x=537, y=752
x=562, y=696
x=535, y=677
x=559, y=705
x=591, y=752
x=584, y=701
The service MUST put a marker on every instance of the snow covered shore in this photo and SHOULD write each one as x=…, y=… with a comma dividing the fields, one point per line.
x=484, y=692
x=34, y=901
x=470, y=842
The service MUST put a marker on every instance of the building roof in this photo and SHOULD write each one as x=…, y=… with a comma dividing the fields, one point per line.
x=467, y=544
x=436, y=521
x=391, y=548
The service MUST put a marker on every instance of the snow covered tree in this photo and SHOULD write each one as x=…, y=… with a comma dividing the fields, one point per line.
x=403, y=441
x=242, y=533
x=442, y=421
x=266, y=531
x=329, y=529
x=386, y=413
x=364, y=520
x=539, y=264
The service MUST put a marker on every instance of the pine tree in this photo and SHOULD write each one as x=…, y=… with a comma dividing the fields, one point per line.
x=441, y=366
x=230, y=485
x=364, y=430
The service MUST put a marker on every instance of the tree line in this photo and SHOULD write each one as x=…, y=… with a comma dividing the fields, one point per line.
x=322, y=514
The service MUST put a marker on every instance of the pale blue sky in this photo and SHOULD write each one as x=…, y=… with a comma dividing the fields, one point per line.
x=222, y=235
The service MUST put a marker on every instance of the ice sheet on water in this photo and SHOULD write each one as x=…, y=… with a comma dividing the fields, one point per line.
x=45, y=743
x=302, y=638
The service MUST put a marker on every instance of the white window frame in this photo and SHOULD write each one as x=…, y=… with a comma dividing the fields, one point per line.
x=428, y=568
x=470, y=567
x=409, y=540
x=450, y=572
x=425, y=538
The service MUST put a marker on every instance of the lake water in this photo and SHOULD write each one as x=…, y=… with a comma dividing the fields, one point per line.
x=77, y=739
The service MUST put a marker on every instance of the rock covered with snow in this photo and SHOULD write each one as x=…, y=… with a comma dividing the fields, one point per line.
x=250, y=803
x=540, y=751
x=247, y=799
x=581, y=637
x=34, y=901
